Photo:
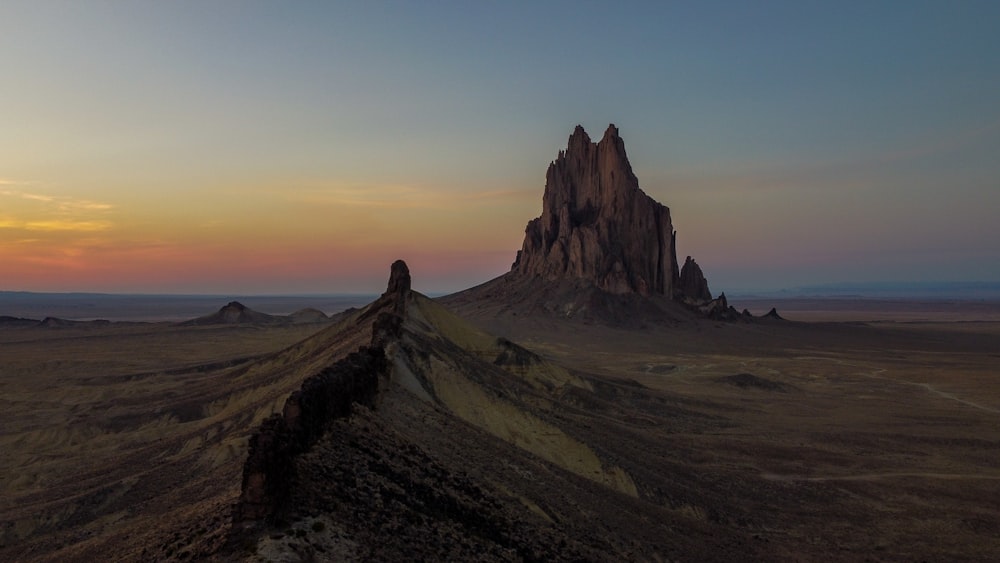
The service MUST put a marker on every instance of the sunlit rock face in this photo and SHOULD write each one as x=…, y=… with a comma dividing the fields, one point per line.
x=597, y=225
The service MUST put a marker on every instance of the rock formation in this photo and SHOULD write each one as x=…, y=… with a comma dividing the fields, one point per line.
x=398, y=288
x=235, y=312
x=7, y=321
x=324, y=397
x=308, y=315
x=399, y=279
x=692, y=283
x=599, y=227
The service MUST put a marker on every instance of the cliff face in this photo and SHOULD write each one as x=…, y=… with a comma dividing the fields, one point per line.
x=597, y=225
x=324, y=397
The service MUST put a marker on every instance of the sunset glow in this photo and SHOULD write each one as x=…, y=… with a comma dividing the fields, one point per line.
x=233, y=147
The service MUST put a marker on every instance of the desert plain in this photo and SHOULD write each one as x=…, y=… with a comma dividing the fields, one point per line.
x=871, y=437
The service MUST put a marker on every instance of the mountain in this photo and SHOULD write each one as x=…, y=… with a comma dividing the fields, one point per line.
x=597, y=225
x=602, y=249
x=235, y=312
x=309, y=315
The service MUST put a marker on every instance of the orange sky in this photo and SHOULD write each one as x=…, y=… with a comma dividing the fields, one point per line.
x=238, y=147
x=271, y=237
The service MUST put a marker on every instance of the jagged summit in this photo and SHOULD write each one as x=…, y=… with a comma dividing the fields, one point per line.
x=399, y=279
x=602, y=249
x=692, y=283
x=597, y=225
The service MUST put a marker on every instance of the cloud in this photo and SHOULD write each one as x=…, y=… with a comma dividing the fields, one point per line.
x=64, y=203
x=49, y=213
x=62, y=225
x=55, y=225
x=84, y=205
x=36, y=197
x=11, y=183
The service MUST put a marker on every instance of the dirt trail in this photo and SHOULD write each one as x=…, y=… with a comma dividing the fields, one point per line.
x=926, y=386
x=929, y=388
x=953, y=397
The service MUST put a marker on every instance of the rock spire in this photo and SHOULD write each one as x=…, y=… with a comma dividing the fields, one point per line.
x=597, y=225
x=399, y=279
x=692, y=283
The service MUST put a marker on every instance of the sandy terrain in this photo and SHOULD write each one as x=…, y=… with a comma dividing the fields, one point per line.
x=114, y=434
x=877, y=440
x=781, y=440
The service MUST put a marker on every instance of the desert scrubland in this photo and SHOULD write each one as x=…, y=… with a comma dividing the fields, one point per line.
x=858, y=440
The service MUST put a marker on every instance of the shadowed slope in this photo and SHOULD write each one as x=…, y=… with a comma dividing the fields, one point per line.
x=150, y=451
x=475, y=449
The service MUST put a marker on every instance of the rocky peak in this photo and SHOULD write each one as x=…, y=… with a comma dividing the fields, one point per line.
x=773, y=314
x=234, y=312
x=396, y=294
x=399, y=279
x=692, y=283
x=597, y=225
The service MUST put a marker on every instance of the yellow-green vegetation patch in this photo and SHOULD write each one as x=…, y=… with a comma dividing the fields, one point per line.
x=454, y=328
x=506, y=421
x=539, y=373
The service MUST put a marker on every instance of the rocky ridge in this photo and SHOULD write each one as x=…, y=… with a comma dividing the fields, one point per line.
x=418, y=445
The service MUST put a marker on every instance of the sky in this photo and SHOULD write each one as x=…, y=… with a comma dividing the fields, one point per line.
x=299, y=147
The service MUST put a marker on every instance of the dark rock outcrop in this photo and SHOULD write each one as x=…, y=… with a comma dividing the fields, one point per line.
x=235, y=312
x=308, y=315
x=692, y=283
x=398, y=288
x=7, y=321
x=597, y=225
x=308, y=412
x=751, y=381
x=390, y=307
x=719, y=309
x=399, y=279
x=323, y=398
x=54, y=322
x=773, y=314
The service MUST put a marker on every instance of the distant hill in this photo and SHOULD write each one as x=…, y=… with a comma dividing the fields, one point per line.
x=161, y=308
x=235, y=312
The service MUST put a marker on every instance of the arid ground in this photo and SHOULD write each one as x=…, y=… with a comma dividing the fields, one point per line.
x=804, y=439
